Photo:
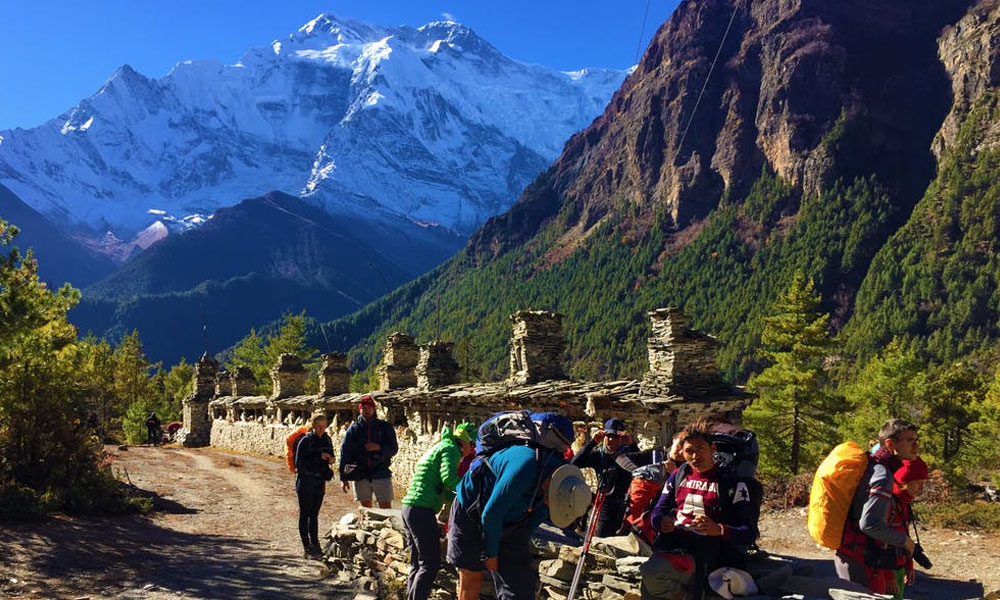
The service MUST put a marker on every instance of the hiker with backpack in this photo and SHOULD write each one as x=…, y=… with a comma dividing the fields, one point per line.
x=365, y=455
x=435, y=479
x=706, y=519
x=153, y=429
x=613, y=455
x=518, y=480
x=867, y=523
x=312, y=459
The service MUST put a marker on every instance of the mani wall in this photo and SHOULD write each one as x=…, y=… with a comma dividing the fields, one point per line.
x=419, y=391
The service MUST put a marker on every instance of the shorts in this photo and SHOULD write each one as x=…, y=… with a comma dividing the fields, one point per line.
x=381, y=488
x=465, y=540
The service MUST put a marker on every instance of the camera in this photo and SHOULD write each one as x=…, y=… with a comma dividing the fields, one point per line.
x=920, y=558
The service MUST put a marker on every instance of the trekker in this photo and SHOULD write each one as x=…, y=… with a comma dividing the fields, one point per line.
x=613, y=462
x=313, y=457
x=368, y=447
x=501, y=501
x=153, y=429
x=868, y=518
x=706, y=517
x=894, y=570
x=434, y=481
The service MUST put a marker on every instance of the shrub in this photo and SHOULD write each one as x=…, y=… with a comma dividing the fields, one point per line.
x=963, y=515
x=787, y=492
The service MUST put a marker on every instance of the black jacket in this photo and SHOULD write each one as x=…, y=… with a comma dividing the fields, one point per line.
x=375, y=465
x=309, y=454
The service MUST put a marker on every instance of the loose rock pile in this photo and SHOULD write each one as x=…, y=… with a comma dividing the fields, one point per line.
x=370, y=549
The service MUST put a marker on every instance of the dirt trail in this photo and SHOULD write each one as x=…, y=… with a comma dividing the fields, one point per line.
x=227, y=529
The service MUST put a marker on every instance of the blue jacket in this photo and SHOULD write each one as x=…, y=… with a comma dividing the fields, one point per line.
x=374, y=464
x=508, y=491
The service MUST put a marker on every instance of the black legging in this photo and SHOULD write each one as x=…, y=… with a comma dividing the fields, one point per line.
x=310, y=490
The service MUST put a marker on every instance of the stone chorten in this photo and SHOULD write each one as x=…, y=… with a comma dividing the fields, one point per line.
x=399, y=361
x=197, y=425
x=288, y=377
x=681, y=360
x=437, y=366
x=334, y=376
x=223, y=383
x=243, y=382
x=536, y=347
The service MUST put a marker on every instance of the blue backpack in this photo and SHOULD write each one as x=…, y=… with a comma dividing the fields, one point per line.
x=522, y=428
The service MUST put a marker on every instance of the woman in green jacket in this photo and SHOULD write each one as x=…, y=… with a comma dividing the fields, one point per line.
x=434, y=481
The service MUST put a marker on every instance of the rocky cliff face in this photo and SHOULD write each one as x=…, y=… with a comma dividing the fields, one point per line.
x=970, y=52
x=814, y=90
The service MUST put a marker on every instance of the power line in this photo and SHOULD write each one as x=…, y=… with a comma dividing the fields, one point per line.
x=642, y=31
x=736, y=7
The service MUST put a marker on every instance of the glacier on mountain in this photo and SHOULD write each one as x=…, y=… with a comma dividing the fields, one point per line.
x=429, y=124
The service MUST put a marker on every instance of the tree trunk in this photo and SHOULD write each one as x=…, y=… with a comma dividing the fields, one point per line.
x=796, y=439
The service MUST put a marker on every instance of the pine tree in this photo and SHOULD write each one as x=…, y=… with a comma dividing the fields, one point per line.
x=893, y=384
x=794, y=412
x=134, y=387
x=261, y=353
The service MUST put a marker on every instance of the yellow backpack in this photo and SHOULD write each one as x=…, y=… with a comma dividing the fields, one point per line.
x=833, y=487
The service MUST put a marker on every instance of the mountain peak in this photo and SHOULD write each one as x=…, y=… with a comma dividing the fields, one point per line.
x=328, y=24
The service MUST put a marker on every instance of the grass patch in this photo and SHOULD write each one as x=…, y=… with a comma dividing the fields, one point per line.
x=962, y=515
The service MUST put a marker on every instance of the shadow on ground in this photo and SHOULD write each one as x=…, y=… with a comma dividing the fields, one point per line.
x=813, y=577
x=133, y=552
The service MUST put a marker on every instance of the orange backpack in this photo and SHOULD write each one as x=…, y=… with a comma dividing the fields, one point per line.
x=291, y=443
x=833, y=487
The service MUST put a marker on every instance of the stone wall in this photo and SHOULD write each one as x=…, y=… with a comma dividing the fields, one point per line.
x=654, y=409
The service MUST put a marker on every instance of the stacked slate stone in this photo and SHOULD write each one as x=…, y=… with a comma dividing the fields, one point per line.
x=243, y=382
x=399, y=362
x=334, y=376
x=437, y=366
x=370, y=550
x=681, y=360
x=288, y=377
x=223, y=384
x=537, y=347
x=197, y=425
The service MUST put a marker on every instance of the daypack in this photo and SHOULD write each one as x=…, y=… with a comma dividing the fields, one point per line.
x=833, y=488
x=291, y=444
x=644, y=491
x=514, y=428
x=736, y=450
x=519, y=428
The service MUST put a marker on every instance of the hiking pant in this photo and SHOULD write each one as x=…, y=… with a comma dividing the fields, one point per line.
x=610, y=521
x=662, y=580
x=423, y=536
x=310, y=489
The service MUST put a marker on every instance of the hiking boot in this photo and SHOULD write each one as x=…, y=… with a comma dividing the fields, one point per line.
x=312, y=551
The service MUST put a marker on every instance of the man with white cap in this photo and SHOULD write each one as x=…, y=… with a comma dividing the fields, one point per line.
x=500, y=502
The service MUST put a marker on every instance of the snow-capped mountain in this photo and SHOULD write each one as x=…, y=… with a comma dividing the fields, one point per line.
x=430, y=123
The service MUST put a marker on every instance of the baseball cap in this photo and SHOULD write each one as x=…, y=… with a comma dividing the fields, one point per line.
x=614, y=425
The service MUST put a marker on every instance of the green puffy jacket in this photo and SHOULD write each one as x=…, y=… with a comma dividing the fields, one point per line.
x=436, y=475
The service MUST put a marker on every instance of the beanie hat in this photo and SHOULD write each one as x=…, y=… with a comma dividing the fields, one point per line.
x=465, y=432
x=912, y=470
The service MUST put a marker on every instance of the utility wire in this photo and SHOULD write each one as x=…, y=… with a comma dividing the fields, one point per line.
x=736, y=7
x=642, y=31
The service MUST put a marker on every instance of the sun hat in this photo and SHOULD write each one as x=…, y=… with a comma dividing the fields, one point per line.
x=729, y=582
x=569, y=495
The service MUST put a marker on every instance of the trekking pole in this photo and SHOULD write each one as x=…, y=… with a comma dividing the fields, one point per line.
x=591, y=527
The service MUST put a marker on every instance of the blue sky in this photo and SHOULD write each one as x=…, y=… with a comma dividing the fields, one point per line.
x=55, y=52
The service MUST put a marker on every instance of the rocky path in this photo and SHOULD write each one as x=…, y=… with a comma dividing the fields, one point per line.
x=228, y=529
